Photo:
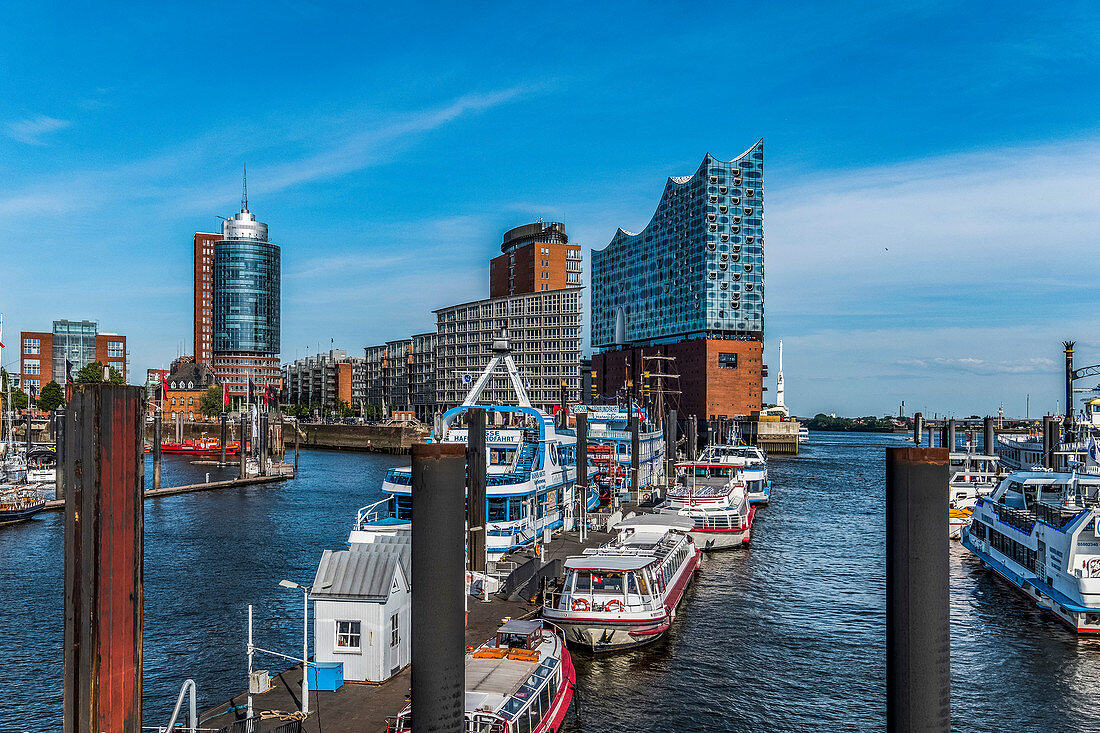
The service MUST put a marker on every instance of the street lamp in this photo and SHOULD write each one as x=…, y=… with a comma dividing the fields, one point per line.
x=305, y=640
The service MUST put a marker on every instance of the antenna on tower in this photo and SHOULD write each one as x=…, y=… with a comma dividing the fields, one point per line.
x=244, y=190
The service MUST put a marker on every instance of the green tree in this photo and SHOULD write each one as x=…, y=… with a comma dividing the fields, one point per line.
x=51, y=397
x=211, y=401
x=18, y=399
x=93, y=374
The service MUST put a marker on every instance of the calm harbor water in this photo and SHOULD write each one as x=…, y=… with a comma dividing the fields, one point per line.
x=787, y=635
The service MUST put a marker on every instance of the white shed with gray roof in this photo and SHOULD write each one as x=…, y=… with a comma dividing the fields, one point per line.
x=361, y=608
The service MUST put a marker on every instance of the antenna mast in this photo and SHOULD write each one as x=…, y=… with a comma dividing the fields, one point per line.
x=244, y=190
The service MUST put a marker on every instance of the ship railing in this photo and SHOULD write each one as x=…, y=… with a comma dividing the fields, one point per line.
x=500, y=569
x=371, y=513
x=563, y=601
x=1021, y=519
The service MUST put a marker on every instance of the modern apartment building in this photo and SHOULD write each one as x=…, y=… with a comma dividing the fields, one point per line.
x=689, y=285
x=204, y=296
x=246, y=303
x=544, y=329
x=422, y=375
x=536, y=258
x=57, y=355
x=324, y=380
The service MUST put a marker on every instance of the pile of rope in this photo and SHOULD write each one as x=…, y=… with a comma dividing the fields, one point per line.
x=281, y=715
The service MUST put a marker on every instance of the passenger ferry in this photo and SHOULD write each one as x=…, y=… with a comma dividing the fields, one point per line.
x=521, y=681
x=751, y=464
x=973, y=476
x=1038, y=530
x=609, y=446
x=714, y=497
x=18, y=503
x=625, y=593
x=530, y=478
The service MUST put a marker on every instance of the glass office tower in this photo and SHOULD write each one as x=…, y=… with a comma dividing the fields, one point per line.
x=246, y=304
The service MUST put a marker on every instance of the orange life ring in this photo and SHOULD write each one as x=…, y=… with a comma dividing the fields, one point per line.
x=580, y=604
x=607, y=606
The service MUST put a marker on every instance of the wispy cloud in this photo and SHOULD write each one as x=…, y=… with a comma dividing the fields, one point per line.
x=32, y=130
x=982, y=367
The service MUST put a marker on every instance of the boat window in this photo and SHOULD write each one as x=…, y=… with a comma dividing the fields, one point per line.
x=515, y=508
x=404, y=508
x=607, y=582
x=584, y=583
x=498, y=509
x=637, y=584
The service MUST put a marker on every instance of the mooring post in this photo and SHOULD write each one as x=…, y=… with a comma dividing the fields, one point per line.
x=438, y=674
x=157, y=429
x=225, y=435
x=1050, y=441
x=101, y=680
x=692, y=437
x=918, y=651
x=297, y=444
x=931, y=436
x=59, y=447
x=635, y=458
x=670, y=448
x=475, y=488
x=28, y=430
x=989, y=437
x=582, y=474
x=244, y=442
x=262, y=438
x=951, y=434
x=918, y=428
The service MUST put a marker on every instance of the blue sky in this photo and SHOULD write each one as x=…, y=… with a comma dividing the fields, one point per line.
x=932, y=195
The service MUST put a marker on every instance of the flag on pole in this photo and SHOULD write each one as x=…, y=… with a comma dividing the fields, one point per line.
x=1, y=330
x=1093, y=457
x=251, y=389
x=267, y=394
x=163, y=388
x=225, y=394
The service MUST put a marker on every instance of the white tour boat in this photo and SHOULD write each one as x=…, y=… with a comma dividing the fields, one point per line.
x=752, y=467
x=609, y=449
x=1038, y=530
x=714, y=497
x=530, y=477
x=973, y=476
x=521, y=681
x=625, y=593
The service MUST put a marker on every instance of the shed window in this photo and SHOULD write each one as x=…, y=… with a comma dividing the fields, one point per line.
x=395, y=633
x=348, y=634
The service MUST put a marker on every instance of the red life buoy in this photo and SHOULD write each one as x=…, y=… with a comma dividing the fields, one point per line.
x=580, y=604
x=608, y=606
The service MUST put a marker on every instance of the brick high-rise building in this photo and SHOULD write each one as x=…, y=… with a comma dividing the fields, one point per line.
x=537, y=257
x=204, y=296
x=689, y=285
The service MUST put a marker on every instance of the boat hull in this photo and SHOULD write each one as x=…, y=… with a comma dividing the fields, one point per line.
x=599, y=635
x=1028, y=589
x=728, y=540
x=11, y=516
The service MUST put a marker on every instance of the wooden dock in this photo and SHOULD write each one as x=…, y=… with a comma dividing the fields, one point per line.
x=59, y=504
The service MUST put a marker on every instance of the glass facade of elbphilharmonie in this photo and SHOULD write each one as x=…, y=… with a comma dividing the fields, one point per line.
x=696, y=270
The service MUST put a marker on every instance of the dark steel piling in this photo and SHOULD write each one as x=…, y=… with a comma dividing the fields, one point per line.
x=918, y=654
x=438, y=673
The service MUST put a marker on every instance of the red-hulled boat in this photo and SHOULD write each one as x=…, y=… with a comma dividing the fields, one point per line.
x=625, y=593
x=520, y=681
x=204, y=446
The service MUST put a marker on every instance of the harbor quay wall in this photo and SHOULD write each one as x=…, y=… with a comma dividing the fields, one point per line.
x=396, y=439
x=779, y=436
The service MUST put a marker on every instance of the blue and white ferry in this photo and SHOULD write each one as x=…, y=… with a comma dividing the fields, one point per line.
x=530, y=478
x=1038, y=530
x=751, y=465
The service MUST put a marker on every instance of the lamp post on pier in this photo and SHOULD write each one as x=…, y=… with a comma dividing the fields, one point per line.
x=305, y=640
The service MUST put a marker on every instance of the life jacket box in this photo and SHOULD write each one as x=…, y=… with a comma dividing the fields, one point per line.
x=326, y=676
